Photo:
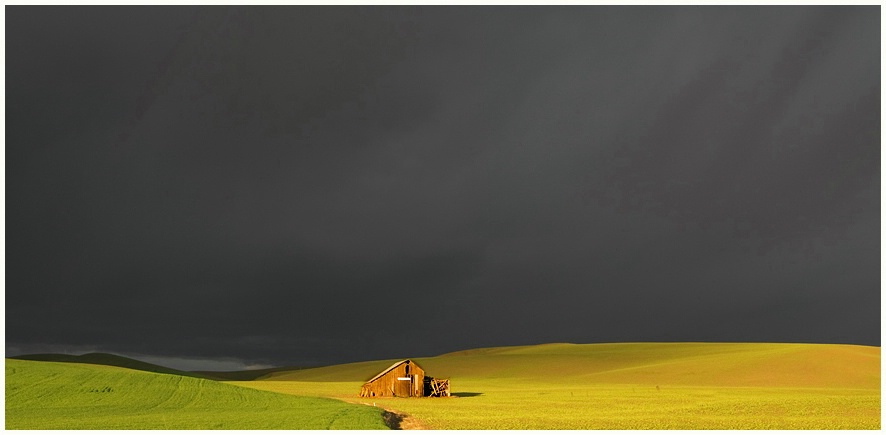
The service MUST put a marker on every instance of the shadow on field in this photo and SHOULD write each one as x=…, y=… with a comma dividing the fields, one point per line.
x=466, y=394
x=392, y=420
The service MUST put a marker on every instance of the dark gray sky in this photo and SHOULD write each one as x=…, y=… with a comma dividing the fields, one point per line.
x=296, y=185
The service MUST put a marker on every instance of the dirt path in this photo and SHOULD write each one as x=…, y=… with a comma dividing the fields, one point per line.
x=400, y=421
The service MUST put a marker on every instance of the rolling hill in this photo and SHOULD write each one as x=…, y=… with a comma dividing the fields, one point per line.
x=628, y=386
x=63, y=395
x=106, y=359
x=244, y=375
x=697, y=364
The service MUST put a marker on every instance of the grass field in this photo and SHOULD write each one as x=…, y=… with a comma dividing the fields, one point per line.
x=51, y=395
x=628, y=386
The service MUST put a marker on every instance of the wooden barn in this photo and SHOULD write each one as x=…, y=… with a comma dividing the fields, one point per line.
x=405, y=379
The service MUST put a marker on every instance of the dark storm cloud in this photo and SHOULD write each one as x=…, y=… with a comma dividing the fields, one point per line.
x=313, y=184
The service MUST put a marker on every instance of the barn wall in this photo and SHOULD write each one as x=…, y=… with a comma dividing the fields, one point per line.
x=388, y=385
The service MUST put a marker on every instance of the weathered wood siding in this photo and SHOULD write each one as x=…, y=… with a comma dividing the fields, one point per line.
x=390, y=385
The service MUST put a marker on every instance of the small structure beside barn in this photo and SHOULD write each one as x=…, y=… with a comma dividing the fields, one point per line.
x=405, y=379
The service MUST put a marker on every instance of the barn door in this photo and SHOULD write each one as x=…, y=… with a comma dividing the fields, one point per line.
x=410, y=384
x=404, y=383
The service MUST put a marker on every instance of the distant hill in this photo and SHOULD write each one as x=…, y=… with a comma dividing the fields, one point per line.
x=245, y=375
x=719, y=364
x=107, y=359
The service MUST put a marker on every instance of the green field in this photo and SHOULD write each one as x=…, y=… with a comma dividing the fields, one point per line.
x=628, y=386
x=51, y=395
x=553, y=386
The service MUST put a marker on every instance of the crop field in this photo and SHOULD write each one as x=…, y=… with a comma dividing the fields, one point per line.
x=627, y=386
x=51, y=395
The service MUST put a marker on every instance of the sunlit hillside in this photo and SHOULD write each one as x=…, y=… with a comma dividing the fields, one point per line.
x=629, y=386
x=51, y=395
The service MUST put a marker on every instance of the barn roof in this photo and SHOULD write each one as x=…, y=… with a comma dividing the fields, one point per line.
x=391, y=368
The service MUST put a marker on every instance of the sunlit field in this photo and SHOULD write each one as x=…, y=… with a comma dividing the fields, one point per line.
x=554, y=386
x=628, y=386
x=49, y=395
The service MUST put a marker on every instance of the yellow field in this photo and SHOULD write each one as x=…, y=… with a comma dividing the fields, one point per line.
x=628, y=386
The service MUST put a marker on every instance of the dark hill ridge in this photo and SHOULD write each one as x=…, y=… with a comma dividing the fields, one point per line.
x=107, y=359
x=246, y=375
